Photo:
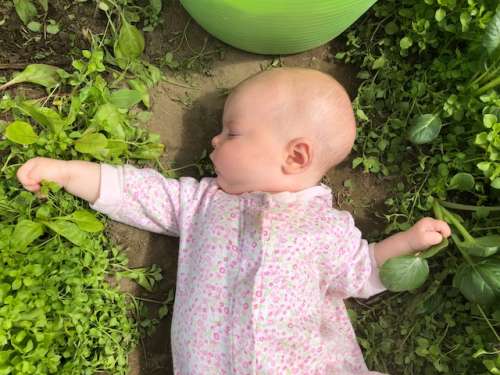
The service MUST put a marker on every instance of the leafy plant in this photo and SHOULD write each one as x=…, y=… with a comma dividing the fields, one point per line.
x=61, y=310
x=428, y=104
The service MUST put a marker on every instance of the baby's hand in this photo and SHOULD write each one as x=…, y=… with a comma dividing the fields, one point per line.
x=34, y=171
x=426, y=233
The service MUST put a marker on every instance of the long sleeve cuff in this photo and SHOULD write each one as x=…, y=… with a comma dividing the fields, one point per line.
x=373, y=284
x=110, y=191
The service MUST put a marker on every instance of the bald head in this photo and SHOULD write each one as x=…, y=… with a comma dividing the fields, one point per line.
x=304, y=103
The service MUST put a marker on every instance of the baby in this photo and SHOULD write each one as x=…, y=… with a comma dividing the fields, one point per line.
x=264, y=261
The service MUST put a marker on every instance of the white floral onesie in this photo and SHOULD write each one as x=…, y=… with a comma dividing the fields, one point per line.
x=261, y=277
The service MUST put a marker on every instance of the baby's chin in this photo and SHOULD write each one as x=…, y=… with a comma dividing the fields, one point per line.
x=229, y=188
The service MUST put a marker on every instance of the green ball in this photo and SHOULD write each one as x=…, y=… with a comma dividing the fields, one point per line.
x=276, y=26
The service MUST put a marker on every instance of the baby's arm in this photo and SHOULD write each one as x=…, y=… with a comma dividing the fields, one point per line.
x=424, y=234
x=354, y=267
x=140, y=197
x=80, y=178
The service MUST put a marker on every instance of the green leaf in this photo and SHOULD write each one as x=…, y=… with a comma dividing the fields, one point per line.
x=43, y=115
x=491, y=39
x=5, y=355
x=44, y=4
x=76, y=104
x=163, y=311
x=379, y=63
x=482, y=246
x=404, y=273
x=489, y=120
x=21, y=132
x=405, y=42
x=440, y=14
x=142, y=88
x=357, y=161
x=496, y=183
x=68, y=230
x=43, y=212
x=361, y=115
x=155, y=6
x=125, y=98
x=25, y=10
x=479, y=283
x=130, y=42
x=52, y=186
x=93, y=143
x=53, y=28
x=34, y=26
x=109, y=118
x=462, y=181
x=425, y=129
x=155, y=75
x=103, y=6
x=25, y=232
x=116, y=147
x=433, y=250
x=86, y=221
x=45, y=75
x=148, y=152
x=391, y=28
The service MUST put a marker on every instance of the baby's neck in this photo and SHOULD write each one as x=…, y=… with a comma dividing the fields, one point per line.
x=280, y=188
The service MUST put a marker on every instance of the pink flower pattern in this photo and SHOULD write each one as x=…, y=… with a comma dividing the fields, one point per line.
x=261, y=277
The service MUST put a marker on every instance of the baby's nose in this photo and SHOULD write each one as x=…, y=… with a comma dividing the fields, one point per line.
x=215, y=140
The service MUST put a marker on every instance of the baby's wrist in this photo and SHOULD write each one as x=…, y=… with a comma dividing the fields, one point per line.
x=65, y=169
x=414, y=241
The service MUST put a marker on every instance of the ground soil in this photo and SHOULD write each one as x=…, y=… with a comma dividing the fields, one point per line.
x=187, y=115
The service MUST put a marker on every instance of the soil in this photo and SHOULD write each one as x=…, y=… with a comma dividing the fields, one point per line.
x=187, y=114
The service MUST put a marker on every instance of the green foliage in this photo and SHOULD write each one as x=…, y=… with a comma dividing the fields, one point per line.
x=428, y=106
x=41, y=74
x=129, y=45
x=60, y=310
x=404, y=273
x=478, y=281
x=425, y=129
x=25, y=9
x=29, y=13
x=21, y=132
x=431, y=331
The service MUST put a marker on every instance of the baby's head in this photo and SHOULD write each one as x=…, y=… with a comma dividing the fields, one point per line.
x=282, y=130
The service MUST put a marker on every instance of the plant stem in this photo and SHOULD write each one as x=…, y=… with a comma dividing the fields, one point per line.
x=488, y=322
x=448, y=216
x=488, y=86
x=438, y=213
x=467, y=207
x=484, y=228
x=465, y=255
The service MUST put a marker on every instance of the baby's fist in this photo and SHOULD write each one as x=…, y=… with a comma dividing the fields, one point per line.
x=427, y=232
x=34, y=171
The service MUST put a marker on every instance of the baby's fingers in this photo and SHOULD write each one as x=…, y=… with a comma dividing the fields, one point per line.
x=433, y=238
x=26, y=177
x=441, y=227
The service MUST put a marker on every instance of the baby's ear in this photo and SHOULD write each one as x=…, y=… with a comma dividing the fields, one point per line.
x=298, y=156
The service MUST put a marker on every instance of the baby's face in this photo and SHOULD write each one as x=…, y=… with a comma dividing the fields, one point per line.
x=248, y=153
x=282, y=130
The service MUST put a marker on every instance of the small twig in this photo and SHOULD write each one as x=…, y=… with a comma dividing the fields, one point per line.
x=179, y=84
x=12, y=66
x=16, y=66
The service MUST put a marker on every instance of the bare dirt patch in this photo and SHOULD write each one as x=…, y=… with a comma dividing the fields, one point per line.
x=188, y=114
